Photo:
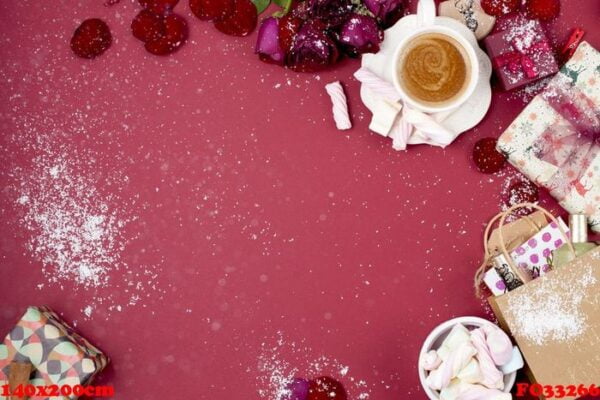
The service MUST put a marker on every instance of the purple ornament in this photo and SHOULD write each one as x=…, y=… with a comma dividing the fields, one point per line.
x=360, y=34
x=296, y=390
x=387, y=11
x=267, y=44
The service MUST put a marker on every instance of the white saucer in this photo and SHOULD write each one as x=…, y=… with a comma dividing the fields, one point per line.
x=459, y=120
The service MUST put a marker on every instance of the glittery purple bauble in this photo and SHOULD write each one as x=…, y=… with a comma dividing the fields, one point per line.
x=296, y=390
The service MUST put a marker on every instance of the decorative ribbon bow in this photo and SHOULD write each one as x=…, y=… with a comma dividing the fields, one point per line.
x=572, y=147
x=404, y=125
x=521, y=58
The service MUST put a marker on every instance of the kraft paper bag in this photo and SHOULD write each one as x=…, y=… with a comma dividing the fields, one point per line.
x=555, y=320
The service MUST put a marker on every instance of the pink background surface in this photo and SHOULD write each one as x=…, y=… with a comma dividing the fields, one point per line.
x=271, y=234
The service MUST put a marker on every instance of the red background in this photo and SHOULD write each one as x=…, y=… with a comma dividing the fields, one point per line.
x=260, y=218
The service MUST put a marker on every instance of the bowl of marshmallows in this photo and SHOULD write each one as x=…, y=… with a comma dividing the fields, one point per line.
x=468, y=358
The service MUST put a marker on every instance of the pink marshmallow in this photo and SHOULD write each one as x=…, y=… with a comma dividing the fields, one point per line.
x=493, y=378
x=501, y=348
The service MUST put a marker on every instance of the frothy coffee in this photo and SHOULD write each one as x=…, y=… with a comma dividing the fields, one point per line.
x=434, y=69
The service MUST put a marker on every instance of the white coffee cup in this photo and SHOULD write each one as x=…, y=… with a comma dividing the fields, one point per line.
x=426, y=15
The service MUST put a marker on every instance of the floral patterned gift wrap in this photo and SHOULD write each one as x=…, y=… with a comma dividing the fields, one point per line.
x=555, y=141
x=58, y=354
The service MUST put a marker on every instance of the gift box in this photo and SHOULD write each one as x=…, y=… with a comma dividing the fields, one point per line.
x=58, y=354
x=510, y=236
x=521, y=53
x=555, y=141
x=555, y=321
x=494, y=282
x=535, y=254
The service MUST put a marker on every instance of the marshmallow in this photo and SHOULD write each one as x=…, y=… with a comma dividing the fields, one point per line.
x=515, y=363
x=430, y=360
x=383, y=120
x=451, y=391
x=457, y=360
x=379, y=87
x=501, y=348
x=339, y=105
x=471, y=373
x=467, y=391
x=493, y=378
x=457, y=336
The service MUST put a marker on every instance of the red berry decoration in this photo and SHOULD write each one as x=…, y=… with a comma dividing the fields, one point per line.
x=161, y=34
x=521, y=191
x=543, y=9
x=241, y=22
x=487, y=159
x=175, y=35
x=159, y=7
x=288, y=28
x=91, y=38
x=498, y=8
x=211, y=9
x=326, y=388
x=147, y=26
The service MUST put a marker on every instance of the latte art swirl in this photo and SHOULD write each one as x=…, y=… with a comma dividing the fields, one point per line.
x=434, y=69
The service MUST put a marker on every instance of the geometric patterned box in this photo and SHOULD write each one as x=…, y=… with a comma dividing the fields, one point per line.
x=555, y=141
x=59, y=355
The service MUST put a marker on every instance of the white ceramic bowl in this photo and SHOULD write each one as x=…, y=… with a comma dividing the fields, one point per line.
x=434, y=341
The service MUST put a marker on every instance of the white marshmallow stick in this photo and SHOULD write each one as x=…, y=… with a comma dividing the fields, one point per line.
x=379, y=87
x=340, y=105
x=440, y=378
x=468, y=391
x=430, y=360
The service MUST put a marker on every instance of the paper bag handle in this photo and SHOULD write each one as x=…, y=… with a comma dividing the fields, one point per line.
x=479, y=274
x=487, y=232
x=547, y=213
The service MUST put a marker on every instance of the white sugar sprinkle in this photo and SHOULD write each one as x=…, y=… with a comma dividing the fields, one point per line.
x=548, y=313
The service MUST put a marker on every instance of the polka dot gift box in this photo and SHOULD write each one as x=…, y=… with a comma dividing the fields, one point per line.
x=533, y=256
x=59, y=355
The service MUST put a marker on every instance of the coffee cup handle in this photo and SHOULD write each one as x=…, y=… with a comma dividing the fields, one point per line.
x=426, y=12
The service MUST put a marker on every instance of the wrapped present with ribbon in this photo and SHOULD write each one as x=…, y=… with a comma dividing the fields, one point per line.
x=521, y=53
x=56, y=353
x=555, y=141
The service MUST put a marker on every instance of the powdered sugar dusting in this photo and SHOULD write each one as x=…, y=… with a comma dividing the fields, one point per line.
x=75, y=232
x=277, y=372
x=548, y=313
